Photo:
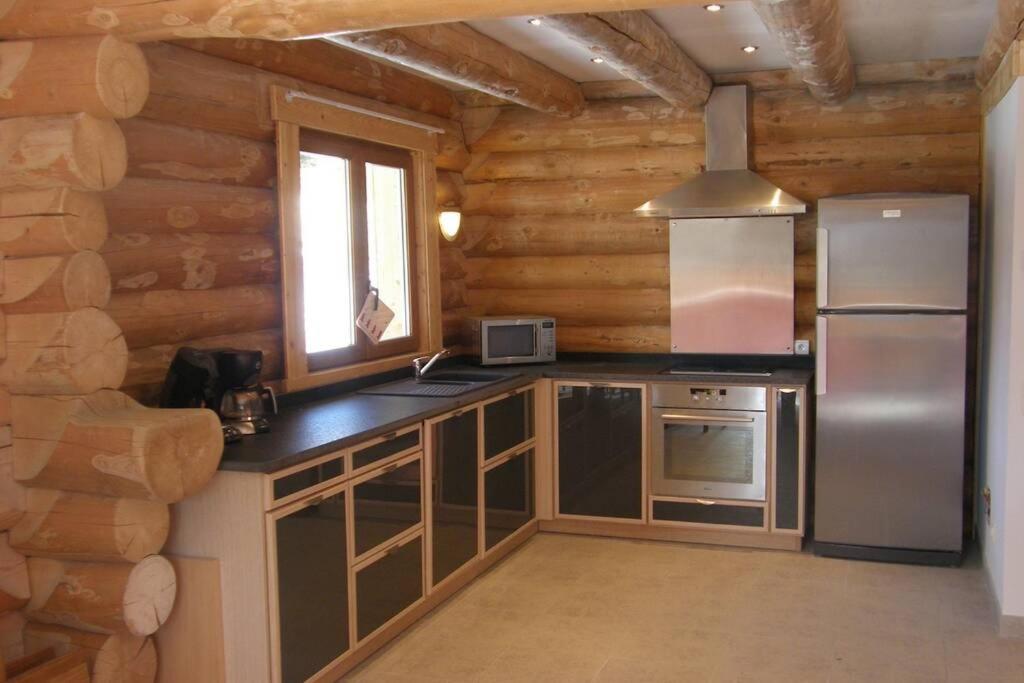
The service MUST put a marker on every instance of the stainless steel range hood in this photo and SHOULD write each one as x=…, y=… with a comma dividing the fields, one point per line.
x=728, y=187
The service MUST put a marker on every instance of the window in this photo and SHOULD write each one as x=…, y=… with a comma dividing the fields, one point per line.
x=356, y=234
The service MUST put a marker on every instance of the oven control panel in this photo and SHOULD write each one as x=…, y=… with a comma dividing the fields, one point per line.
x=709, y=397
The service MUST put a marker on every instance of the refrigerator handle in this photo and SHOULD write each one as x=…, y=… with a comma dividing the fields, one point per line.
x=822, y=267
x=821, y=354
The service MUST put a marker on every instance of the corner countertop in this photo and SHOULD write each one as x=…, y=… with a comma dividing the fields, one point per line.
x=310, y=429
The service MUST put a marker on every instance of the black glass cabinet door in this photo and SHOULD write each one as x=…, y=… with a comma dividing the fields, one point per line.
x=312, y=588
x=508, y=497
x=387, y=504
x=508, y=423
x=600, y=451
x=454, y=499
x=388, y=586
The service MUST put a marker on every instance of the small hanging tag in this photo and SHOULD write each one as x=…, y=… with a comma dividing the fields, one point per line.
x=374, y=317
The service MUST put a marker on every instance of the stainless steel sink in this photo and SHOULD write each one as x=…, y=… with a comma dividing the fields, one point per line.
x=439, y=384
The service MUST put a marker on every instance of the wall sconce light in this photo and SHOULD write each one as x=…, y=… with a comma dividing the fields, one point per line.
x=450, y=221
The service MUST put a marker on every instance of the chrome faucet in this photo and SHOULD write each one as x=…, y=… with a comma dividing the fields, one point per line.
x=422, y=364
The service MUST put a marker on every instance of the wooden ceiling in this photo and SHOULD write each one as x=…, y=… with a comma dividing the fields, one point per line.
x=425, y=36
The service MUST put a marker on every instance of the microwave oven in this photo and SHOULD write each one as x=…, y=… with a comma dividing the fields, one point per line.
x=507, y=340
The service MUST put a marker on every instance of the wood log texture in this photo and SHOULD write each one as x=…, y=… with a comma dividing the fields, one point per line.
x=108, y=444
x=635, y=46
x=97, y=75
x=63, y=353
x=12, y=626
x=460, y=54
x=1004, y=30
x=322, y=62
x=77, y=151
x=226, y=97
x=164, y=151
x=79, y=526
x=549, y=224
x=811, y=35
x=14, y=585
x=70, y=668
x=147, y=366
x=47, y=222
x=118, y=658
x=105, y=598
x=174, y=316
x=190, y=260
x=55, y=284
x=146, y=205
x=141, y=20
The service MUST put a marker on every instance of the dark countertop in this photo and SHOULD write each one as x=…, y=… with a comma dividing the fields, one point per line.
x=305, y=430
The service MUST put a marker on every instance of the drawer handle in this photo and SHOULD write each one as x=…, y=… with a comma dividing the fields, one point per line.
x=599, y=385
x=704, y=501
x=316, y=500
x=458, y=413
x=390, y=468
x=389, y=436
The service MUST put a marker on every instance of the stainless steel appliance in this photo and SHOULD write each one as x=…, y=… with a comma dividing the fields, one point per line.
x=891, y=368
x=683, y=369
x=728, y=187
x=709, y=441
x=731, y=285
x=509, y=340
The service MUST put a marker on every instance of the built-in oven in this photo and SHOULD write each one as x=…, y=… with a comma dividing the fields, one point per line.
x=709, y=441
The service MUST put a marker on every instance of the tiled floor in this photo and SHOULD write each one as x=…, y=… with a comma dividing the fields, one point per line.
x=570, y=608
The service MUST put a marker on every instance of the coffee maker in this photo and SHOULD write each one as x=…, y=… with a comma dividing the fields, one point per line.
x=226, y=381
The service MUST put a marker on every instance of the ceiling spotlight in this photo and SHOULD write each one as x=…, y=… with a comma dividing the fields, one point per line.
x=750, y=49
x=534, y=22
x=713, y=7
x=597, y=60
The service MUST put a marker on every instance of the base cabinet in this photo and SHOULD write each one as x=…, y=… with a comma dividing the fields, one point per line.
x=508, y=497
x=601, y=443
x=312, y=586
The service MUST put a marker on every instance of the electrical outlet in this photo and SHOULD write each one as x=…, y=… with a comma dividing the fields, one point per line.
x=803, y=347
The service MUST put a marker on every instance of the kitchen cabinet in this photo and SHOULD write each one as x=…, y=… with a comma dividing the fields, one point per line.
x=387, y=502
x=508, y=422
x=454, y=444
x=600, y=450
x=312, y=593
x=388, y=584
x=508, y=496
x=788, y=449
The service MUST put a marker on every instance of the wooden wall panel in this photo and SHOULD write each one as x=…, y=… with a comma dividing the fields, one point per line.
x=549, y=228
x=193, y=250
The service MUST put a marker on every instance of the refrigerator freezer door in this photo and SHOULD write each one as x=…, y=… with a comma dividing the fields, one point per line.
x=890, y=431
x=893, y=252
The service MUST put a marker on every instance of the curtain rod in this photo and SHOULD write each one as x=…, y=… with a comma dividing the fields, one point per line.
x=292, y=94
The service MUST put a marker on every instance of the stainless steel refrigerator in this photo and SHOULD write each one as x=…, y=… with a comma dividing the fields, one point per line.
x=891, y=373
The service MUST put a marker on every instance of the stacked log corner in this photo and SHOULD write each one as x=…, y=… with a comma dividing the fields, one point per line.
x=87, y=474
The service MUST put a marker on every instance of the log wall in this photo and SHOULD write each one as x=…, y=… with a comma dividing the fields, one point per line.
x=548, y=203
x=193, y=250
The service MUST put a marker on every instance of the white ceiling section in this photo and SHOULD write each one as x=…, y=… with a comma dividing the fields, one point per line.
x=878, y=31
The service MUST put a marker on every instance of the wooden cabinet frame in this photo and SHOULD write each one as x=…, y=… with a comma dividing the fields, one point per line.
x=389, y=466
x=493, y=464
x=645, y=426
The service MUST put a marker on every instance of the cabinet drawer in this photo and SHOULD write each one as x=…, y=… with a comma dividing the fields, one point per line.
x=387, y=446
x=508, y=497
x=287, y=487
x=721, y=514
x=389, y=585
x=387, y=503
x=508, y=422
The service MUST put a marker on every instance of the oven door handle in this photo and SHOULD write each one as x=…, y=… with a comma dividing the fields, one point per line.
x=707, y=420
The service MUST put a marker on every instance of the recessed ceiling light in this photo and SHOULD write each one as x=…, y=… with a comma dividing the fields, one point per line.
x=534, y=22
x=750, y=49
x=713, y=7
x=597, y=60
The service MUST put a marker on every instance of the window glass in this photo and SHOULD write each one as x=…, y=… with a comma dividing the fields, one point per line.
x=387, y=243
x=326, y=252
